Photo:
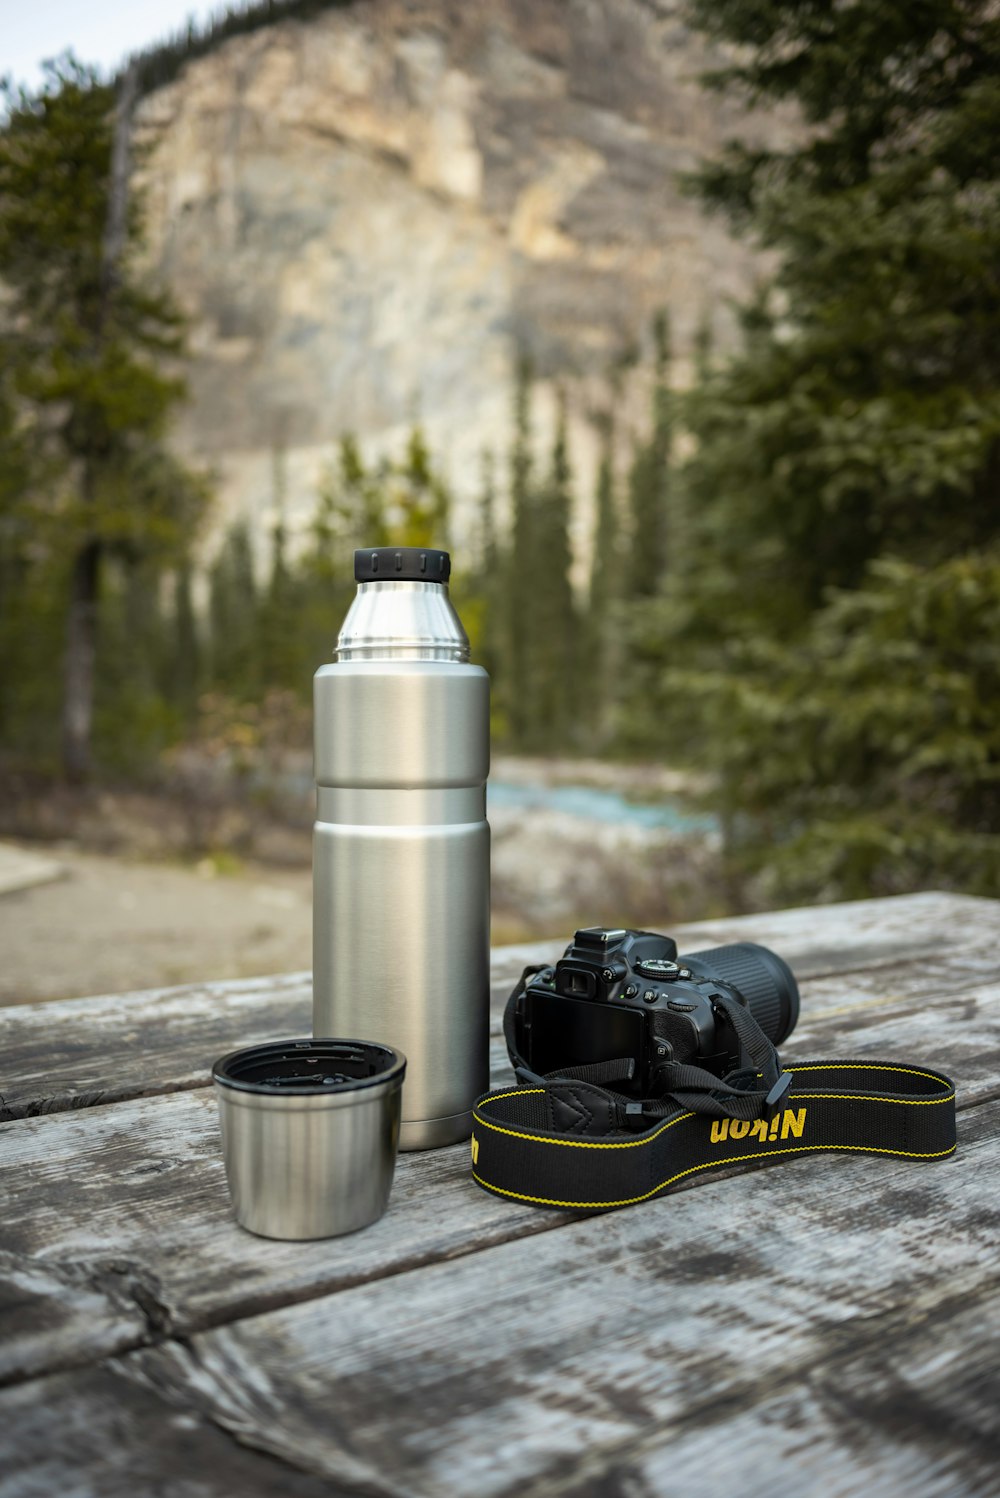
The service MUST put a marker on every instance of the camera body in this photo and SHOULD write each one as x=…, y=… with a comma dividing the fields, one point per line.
x=628, y=994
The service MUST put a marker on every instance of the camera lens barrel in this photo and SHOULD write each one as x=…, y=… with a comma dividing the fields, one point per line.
x=763, y=978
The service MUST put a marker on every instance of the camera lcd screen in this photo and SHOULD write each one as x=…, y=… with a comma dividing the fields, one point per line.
x=576, y=1032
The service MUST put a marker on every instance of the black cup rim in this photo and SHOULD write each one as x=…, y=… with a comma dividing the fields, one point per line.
x=318, y=1049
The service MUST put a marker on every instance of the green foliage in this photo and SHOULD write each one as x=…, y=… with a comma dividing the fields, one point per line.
x=185, y=651
x=551, y=683
x=484, y=610
x=523, y=571
x=606, y=595
x=271, y=626
x=649, y=479
x=83, y=346
x=865, y=757
x=873, y=75
x=32, y=630
x=539, y=674
x=833, y=526
x=134, y=718
x=864, y=417
x=606, y=580
x=87, y=383
x=414, y=498
x=233, y=616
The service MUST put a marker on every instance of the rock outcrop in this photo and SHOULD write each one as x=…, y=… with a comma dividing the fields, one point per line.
x=366, y=214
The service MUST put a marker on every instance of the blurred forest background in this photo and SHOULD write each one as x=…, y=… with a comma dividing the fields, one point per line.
x=790, y=588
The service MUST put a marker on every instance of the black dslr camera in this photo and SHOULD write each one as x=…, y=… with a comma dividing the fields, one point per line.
x=627, y=994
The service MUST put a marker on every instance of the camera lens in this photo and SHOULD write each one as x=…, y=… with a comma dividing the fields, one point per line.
x=763, y=978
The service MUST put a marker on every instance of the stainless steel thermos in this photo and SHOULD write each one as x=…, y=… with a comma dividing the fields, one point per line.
x=401, y=845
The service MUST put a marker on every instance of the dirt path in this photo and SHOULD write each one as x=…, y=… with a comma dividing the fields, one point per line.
x=108, y=925
x=113, y=922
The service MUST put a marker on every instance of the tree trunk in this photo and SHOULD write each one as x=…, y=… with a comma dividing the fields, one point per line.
x=81, y=633
x=81, y=625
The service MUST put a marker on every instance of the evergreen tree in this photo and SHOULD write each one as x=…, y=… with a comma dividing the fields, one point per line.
x=649, y=478
x=398, y=502
x=280, y=643
x=605, y=566
x=417, y=498
x=350, y=513
x=842, y=507
x=234, y=615
x=82, y=341
x=32, y=587
x=523, y=574
x=605, y=592
x=863, y=417
x=552, y=678
x=186, y=662
x=489, y=584
x=488, y=541
x=134, y=718
x=864, y=755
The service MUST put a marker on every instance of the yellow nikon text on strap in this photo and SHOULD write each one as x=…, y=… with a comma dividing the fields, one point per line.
x=787, y=1125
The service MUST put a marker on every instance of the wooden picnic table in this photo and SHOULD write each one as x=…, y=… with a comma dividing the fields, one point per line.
x=829, y=1326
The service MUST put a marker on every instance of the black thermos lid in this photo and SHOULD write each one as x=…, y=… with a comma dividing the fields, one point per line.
x=402, y=563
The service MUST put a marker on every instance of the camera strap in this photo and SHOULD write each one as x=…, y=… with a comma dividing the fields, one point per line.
x=570, y=1140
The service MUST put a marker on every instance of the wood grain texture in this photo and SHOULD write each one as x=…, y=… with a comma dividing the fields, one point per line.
x=96, y=1435
x=614, y=1332
x=81, y=1052
x=830, y=1326
x=117, y=1228
x=794, y=1331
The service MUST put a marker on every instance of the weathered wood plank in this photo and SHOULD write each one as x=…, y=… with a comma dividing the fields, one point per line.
x=74, y=1053
x=609, y=1330
x=96, y=1435
x=798, y=1330
x=79, y=1052
x=863, y=933
x=912, y=1411
x=117, y=1228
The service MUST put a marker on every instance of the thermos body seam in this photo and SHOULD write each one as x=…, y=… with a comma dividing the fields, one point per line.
x=400, y=807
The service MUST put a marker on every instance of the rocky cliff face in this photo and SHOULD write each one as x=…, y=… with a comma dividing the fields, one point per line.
x=367, y=214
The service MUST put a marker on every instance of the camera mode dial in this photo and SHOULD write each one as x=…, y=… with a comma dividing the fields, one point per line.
x=657, y=967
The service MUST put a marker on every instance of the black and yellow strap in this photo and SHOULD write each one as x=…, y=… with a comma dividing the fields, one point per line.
x=568, y=1143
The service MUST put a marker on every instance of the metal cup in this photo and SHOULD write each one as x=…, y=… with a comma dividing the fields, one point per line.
x=310, y=1130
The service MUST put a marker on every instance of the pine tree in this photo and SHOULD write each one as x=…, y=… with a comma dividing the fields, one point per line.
x=605, y=566
x=134, y=719
x=842, y=506
x=489, y=581
x=279, y=638
x=234, y=615
x=552, y=675
x=418, y=498
x=523, y=573
x=605, y=592
x=82, y=339
x=649, y=478
x=186, y=664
